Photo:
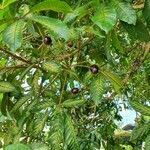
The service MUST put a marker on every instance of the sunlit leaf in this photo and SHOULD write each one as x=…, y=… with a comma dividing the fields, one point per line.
x=105, y=18
x=73, y=103
x=126, y=13
x=55, y=5
x=143, y=109
x=17, y=146
x=13, y=35
x=56, y=26
x=52, y=67
x=5, y=3
x=6, y=87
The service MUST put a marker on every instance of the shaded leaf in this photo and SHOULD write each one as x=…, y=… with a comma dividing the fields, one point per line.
x=6, y=87
x=55, y=5
x=70, y=135
x=126, y=13
x=140, y=131
x=114, y=79
x=146, y=10
x=56, y=26
x=13, y=35
x=97, y=89
x=105, y=18
x=138, y=31
x=144, y=110
x=73, y=103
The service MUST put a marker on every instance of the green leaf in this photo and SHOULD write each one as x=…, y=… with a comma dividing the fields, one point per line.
x=70, y=138
x=138, y=31
x=20, y=102
x=105, y=18
x=55, y=5
x=17, y=146
x=38, y=124
x=126, y=13
x=35, y=83
x=7, y=2
x=146, y=10
x=51, y=67
x=113, y=78
x=79, y=12
x=56, y=26
x=1, y=97
x=116, y=42
x=147, y=143
x=13, y=35
x=97, y=89
x=144, y=110
x=73, y=103
x=6, y=87
x=43, y=105
x=39, y=146
x=140, y=131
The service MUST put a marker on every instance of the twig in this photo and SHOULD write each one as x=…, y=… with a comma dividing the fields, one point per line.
x=16, y=56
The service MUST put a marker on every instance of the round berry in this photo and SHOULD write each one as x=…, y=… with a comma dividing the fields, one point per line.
x=70, y=44
x=75, y=91
x=47, y=40
x=94, y=69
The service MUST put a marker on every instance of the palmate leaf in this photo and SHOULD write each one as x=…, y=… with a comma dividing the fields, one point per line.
x=56, y=26
x=140, y=131
x=144, y=110
x=126, y=13
x=105, y=18
x=97, y=89
x=18, y=146
x=147, y=143
x=6, y=87
x=13, y=35
x=55, y=5
x=73, y=103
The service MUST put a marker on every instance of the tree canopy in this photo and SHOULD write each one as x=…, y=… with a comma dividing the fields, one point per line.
x=65, y=66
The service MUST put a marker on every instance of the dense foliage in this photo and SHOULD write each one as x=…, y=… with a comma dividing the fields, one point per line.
x=64, y=68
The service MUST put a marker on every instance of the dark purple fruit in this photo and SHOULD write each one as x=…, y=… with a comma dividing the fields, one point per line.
x=47, y=40
x=94, y=69
x=70, y=44
x=75, y=91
